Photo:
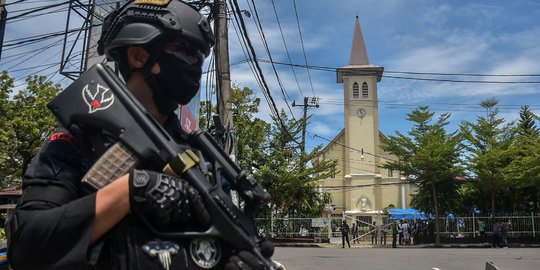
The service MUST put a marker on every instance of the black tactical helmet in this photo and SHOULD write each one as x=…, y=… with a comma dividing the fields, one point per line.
x=142, y=22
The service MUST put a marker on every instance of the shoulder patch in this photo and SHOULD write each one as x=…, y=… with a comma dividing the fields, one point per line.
x=64, y=137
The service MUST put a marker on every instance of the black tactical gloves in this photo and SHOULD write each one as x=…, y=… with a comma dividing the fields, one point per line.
x=246, y=260
x=165, y=199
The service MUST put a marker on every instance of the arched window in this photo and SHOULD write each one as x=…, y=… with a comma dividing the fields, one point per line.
x=355, y=91
x=365, y=92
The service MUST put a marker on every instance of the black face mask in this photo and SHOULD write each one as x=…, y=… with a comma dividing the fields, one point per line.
x=177, y=82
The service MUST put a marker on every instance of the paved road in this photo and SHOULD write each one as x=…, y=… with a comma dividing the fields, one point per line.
x=295, y=258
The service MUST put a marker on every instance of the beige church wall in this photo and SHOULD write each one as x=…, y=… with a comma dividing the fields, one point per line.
x=362, y=187
x=390, y=195
x=356, y=202
x=335, y=194
x=386, y=157
x=377, y=197
x=337, y=199
x=335, y=151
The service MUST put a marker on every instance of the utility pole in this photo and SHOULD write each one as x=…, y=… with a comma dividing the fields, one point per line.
x=223, y=75
x=308, y=102
x=3, y=17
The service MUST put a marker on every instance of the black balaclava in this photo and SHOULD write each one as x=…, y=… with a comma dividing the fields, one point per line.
x=177, y=82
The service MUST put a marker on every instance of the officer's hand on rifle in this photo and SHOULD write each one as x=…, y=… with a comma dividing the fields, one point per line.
x=245, y=260
x=165, y=198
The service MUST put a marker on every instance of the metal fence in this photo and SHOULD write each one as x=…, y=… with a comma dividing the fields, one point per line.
x=518, y=225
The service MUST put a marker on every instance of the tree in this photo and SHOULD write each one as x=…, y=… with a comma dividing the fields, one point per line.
x=285, y=174
x=487, y=142
x=251, y=132
x=527, y=125
x=6, y=85
x=26, y=123
x=271, y=153
x=523, y=172
x=430, y=157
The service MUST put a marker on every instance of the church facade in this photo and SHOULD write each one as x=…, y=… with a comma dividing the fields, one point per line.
x=362, y=188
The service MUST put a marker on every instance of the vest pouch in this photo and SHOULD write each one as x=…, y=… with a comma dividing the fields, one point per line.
x=133, y=247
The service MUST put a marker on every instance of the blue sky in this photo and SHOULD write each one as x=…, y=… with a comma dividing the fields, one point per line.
x=480, y=37
x=434, y=36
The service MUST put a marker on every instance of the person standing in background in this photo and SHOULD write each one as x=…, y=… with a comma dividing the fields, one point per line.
x=355, y=233
x=394, y=234
x=383, y=235
x=345, y=234
x=482, y=229
x=374, y=233
x=496, y=233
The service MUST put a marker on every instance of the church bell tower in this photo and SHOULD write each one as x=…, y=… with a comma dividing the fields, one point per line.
x=361, y=131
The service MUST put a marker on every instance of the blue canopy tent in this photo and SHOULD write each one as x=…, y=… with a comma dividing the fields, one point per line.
x=407, y=213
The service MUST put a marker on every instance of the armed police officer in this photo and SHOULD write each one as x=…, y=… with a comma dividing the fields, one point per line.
x=159, y=47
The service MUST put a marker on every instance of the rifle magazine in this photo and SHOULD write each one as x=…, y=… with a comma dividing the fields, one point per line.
x=115, y=162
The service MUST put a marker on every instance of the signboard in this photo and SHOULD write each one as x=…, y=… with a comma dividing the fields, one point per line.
x=189, y=114
x=317, y=222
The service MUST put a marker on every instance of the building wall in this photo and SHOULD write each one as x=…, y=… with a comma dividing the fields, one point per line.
x=361, y=133
x=336, y=151
x=378, y=191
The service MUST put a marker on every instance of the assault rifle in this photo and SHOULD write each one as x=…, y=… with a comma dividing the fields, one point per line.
x=99, y=100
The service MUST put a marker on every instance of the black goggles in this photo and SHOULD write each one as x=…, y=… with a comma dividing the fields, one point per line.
x=186, y=52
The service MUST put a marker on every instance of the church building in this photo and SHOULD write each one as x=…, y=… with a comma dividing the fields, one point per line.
x=362, y=188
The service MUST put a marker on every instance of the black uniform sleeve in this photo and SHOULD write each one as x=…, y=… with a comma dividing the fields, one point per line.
x=53, y=222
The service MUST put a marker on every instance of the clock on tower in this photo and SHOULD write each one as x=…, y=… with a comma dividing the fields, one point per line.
x=361, y=112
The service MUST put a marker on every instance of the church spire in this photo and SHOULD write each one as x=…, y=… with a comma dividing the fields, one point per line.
x=359, y=54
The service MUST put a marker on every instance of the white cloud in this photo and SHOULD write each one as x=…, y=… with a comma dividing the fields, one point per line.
x=324, y=129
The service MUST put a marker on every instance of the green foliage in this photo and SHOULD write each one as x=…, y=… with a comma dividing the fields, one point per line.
x=251, y=132
x=26, y=122
x=487, y=142
x=526, y=126
x=286, y=176
x=522, y=174
x=324, y=231
x=502, y=161
x=269, y=152
x=385, y=210
x=430, y=157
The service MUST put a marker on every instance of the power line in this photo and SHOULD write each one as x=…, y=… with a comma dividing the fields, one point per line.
x=460, y=81
x=62, y=9
x=27, y=2
x=346, y=146
x=442, y=103
x=287, y=49
x=462, y=74
x=266, y=88
x=37, y=38
x=36, y=10
x=37, y=66
x=9, y=4
x=263, y=38
x=433, y=106
x=36, y=52
x=303, y=48
x=359, y=72
x=352, y=187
